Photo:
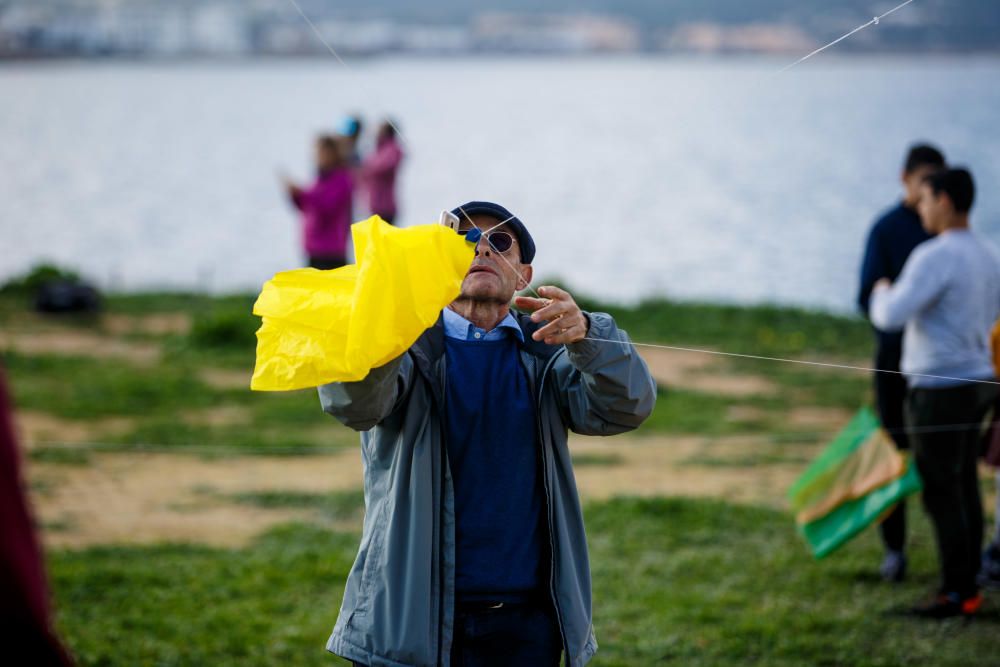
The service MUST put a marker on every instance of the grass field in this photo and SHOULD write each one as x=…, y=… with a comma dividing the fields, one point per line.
x=192, y=522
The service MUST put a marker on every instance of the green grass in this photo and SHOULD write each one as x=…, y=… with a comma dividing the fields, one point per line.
x=84, y=388
x=338, y=505
x=692, y=582
x=597, y=460
x=270, y=604
x=71, y=456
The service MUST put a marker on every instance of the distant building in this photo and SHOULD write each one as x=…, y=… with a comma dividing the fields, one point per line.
x=751, y=38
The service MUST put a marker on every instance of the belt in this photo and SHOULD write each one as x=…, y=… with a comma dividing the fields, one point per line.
x=488, y=604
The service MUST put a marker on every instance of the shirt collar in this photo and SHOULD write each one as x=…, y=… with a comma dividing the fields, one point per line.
x=456, y=326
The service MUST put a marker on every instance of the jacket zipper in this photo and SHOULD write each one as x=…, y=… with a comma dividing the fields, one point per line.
x=548, y=505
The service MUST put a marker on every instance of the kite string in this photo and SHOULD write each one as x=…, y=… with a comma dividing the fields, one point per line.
x=874, y=21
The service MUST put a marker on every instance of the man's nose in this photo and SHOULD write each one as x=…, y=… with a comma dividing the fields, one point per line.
x=483, y=246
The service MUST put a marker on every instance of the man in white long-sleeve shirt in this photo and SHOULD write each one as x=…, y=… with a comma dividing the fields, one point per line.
x=946, y=301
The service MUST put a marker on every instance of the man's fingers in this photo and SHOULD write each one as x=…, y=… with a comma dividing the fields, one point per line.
x=571, y=335
x=553, y=310
x=530, y=303
x=553, y=328
x=556, y=329
x=553, y=292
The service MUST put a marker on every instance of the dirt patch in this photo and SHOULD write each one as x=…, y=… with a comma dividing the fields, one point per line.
x=155, y=324
x=658, y=466
x=35, y=428
x=827, y=419
x=145, y=498
x=224, y=415
x=225, y=379
x=70, y=342
x=700, y=371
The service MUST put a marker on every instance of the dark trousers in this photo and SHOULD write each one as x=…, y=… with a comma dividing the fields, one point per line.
x=890, y=394
x=508, y=636
x=327, y=262
x=943, y=429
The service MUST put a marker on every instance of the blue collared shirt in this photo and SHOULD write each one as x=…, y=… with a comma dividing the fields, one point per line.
x=456, y=326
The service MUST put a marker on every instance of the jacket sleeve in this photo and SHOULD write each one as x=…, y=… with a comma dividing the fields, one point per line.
x=383, y=161
x=604, y=385
x=920, y=284
x=362, y=405
x=873, y=267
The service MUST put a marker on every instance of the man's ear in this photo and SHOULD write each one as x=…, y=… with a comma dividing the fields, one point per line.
x=525, y=278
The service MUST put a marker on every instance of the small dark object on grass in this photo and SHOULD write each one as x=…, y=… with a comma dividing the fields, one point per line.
x=67, y=296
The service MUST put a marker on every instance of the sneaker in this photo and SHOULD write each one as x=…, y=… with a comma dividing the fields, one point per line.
x=893, y=567
x=948, y=606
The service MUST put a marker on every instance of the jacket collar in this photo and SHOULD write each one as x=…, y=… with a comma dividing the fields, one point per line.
x=429, y=348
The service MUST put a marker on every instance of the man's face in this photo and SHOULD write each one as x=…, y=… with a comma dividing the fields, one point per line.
x=933, y=209
x=493, y=277
x=912, y=181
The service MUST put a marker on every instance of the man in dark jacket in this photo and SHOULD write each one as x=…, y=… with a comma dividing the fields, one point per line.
x=891, y=240
x=473, y=550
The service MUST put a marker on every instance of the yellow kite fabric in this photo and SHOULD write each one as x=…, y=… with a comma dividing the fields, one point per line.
x=335, y=326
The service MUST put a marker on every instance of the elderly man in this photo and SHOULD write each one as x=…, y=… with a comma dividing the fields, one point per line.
x=946, y=300
x=473, y=550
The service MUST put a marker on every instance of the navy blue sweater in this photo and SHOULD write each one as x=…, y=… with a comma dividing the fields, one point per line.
x=891, y=240
x=493, y=455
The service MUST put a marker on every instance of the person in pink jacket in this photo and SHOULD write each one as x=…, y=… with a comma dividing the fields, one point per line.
x=378, y=172
x=326, y=206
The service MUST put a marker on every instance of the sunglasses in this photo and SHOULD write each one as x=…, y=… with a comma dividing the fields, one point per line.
x=499, y=241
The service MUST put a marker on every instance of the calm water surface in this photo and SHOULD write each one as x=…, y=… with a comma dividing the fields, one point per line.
x=690, y=179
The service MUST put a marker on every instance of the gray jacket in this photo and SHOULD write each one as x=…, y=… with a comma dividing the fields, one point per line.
x=398, y=606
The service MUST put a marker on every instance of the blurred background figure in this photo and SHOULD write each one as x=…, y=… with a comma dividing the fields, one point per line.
x=947, y=299
x=25, y=614
x=350, y=128
x=378, y=172
x=326, y=204
x=891, y=240
x=989, y=572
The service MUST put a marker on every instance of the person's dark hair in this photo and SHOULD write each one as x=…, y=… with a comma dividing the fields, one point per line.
x=328, y=142
x=921, y=155
x=957, y=184
x=332, y=145
x=388, y=128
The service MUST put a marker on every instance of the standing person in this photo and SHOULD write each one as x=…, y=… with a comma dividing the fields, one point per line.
x=947, y=298
x=891, y=240
x=25, y=609
x=473, y=550
x=350, y=129
x=989, y=572
x=379, y=173
x=325, y=206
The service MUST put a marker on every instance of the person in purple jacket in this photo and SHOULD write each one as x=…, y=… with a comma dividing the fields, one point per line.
x=379, y=170
x=326, y=206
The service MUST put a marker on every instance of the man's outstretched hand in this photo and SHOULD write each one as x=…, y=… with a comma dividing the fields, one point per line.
x=566, y=322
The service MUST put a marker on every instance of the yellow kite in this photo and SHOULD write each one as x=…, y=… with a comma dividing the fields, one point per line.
x=335, y=326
